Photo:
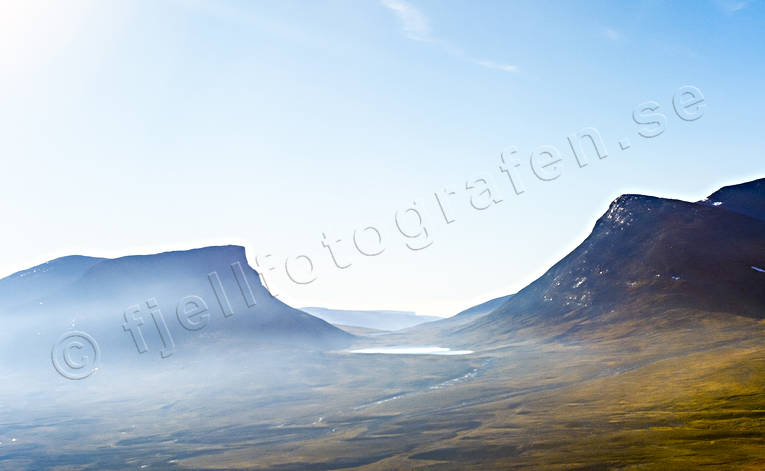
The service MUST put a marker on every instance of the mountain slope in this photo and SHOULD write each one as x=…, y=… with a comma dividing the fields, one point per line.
x=462, y=318
x=43, y=280
x=475, y=312
x=645, y=258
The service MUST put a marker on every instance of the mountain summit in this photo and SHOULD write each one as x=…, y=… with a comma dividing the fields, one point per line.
x=745, y=198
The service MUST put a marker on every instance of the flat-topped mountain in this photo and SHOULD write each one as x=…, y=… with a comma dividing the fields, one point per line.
x=202, y=296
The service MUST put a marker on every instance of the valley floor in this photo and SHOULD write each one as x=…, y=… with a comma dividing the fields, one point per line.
x=683, y=401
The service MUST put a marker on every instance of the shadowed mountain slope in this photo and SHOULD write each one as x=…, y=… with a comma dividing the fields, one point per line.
x=646, y=257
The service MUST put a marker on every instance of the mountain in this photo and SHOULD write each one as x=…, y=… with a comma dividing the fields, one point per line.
x=109, y=298
x=379, y=320
x=430, y=330
x=649, y=262
x=475, y=312
x=745, y=198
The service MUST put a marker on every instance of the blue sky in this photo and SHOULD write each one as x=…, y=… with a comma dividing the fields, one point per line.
x=137, y=127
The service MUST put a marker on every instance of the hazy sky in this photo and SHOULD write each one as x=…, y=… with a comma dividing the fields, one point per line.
x=137, y=127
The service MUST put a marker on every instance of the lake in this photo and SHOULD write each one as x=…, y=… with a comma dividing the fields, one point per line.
x=412, y=350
